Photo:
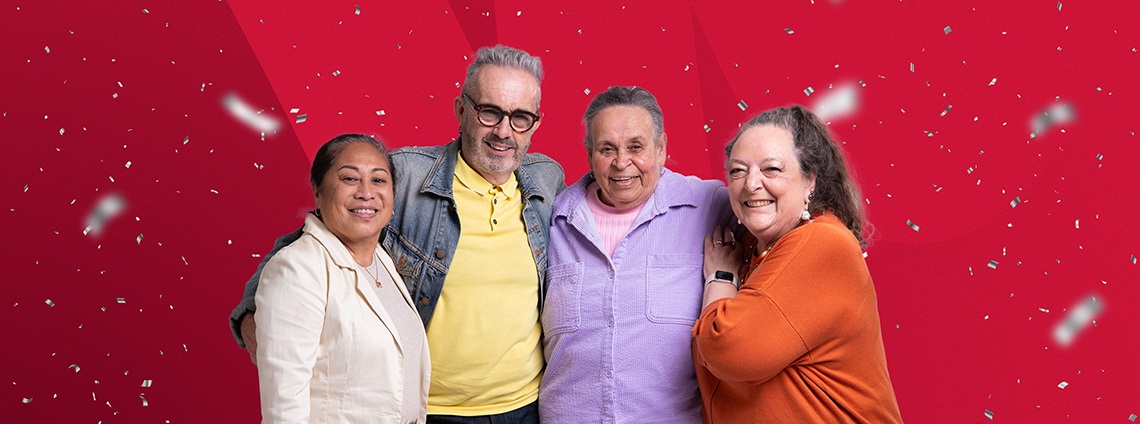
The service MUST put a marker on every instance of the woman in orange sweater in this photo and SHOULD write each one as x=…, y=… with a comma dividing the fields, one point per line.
x=799, y=340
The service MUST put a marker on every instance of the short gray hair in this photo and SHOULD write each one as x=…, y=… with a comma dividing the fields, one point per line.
x=624, y=96
x=507, y=57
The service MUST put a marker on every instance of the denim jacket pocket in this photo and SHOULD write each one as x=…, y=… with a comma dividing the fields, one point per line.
x=673, y=288
x=563, y=311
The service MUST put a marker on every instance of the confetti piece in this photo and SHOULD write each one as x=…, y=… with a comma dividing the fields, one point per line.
x=139, y=239
x=1133, y=259
x=912, y=225
x=912, y=67
x=143, y=400
x=49, y=303
x=145, y=11
x=946, y=30
x=944, y=112
x=61, y=131
x=992, y=82
x=1077, y=224
x=1099, y=156
x=121, y=299
x=742, y=105
x=1016, y=201
x=1058, y=6
x=789, y=31
x=358, y=10
x=47, y=49
x=1132, y=417
x=25, y=188
x=106, y=209
x=1078, y=318
x=928, y=133
x=808, y=91
x=587, y=91
x=246, y=114
x=302, y=117
x=74, y=366
x=27, y=400
x=1063, y=384
x=381, y=112
x=336, y=73
x=128, y=164
x=147, y=383
x=184, y=261
x=840, y=102
x=294, y=110
x=1052, y=116
x=989, y=415
x=992, y=264
x=707, y=129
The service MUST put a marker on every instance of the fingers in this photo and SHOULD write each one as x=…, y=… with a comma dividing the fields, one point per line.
x=249, y=336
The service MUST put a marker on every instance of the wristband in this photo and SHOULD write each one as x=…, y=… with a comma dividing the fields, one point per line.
x=723, y=276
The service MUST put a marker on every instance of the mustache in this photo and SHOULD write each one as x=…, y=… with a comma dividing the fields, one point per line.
x=491, y=138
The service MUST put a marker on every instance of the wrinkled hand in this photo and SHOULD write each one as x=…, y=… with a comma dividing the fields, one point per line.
x=249, y=336
x=722, y=252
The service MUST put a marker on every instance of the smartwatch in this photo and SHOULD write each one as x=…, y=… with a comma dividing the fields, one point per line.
x=725, y=276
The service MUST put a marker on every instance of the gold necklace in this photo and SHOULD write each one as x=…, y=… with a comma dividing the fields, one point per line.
x=375, y=262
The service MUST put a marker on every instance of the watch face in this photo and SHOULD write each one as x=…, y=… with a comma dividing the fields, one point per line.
x=724, y=275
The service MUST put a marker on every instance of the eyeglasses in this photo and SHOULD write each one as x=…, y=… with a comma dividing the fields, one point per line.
x=490, y=116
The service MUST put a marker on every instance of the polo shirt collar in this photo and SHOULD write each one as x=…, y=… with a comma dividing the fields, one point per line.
x=468, y=177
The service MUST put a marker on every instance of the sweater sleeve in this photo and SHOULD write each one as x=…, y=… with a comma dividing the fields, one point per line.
x=792, y=303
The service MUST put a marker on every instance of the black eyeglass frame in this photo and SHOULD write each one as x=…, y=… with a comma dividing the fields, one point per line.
x=478, y=108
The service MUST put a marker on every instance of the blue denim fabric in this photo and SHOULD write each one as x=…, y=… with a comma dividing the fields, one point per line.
x=424, y=230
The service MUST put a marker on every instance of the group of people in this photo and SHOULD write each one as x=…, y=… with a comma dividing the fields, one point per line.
x=466, y=283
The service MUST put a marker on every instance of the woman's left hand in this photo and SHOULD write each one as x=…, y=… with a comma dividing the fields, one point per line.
x=722, y=252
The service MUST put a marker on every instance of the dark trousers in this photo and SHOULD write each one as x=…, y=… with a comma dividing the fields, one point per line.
x=525, y=415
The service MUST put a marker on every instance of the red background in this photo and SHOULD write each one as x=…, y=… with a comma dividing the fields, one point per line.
x=86, y=87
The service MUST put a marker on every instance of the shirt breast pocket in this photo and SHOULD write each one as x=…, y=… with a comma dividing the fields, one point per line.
x=562, y=312
x=673, y=288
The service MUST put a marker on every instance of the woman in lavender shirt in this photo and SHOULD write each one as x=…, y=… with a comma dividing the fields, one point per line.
x=625, y=276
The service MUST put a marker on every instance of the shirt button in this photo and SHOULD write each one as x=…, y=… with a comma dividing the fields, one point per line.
x=609, y=373
x=439, y=254
x=610, y=322
x=494, y=221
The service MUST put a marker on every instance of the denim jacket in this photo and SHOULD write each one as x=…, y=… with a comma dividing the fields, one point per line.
x=424, y=231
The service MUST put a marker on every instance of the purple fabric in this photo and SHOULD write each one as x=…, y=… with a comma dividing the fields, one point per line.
x=616, y=333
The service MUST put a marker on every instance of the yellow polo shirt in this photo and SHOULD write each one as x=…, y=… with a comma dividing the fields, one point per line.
x=485, y=338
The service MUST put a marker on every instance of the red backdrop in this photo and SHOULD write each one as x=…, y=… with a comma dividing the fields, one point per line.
x=1010, y=231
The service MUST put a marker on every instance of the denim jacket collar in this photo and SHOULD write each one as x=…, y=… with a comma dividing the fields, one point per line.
x=442, y=175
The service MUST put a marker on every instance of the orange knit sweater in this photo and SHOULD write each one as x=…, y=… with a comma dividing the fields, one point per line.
x=800, y=342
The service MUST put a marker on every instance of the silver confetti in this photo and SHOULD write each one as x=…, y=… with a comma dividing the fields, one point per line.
x=992, y=82
x=139, y=239
x=145, y=11
x=808, y=91
x=946, y=30
x=1016, y=201
x=1132, y=417
x=1058, y=5
x=294, y=110
x=128, y=164
x=912, y=225
x=106, y=209
x=336, y=73
x=1099, y=156
x=121, y=299
x=49, y=303
x=837, y=103
x=1055, y=114
x=74, y=366
x=246, y=114
x=992, y=264
x=146, y=383
x=143, y=400
x=944, y=112
x=186, y=140
x=302, y=117
x=789, y=31
x=989, y=415
x=27, y=400
x=928, y=133
x=912, y=67
x=25, y=188
x=707, y=128
x=587, y=91
x=1133, y=259
x=1063, y=384
x=1077, y=224
x=1078, y=318
x=358, y=10
x=47, y=49
x=742, y=105
x=381, y=112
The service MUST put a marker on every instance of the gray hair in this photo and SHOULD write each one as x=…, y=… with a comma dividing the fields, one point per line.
x=507, y=57
x=624, y=96
x=818, y=154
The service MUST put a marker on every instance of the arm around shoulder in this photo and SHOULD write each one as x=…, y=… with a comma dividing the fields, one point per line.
x=247, y=304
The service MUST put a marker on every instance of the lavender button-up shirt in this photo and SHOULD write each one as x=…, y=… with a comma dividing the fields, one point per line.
x=617, y=330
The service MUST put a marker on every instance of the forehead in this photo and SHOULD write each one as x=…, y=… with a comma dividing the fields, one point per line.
x=625, y=120
x=357, y=153
x=764, y=142
x=507, y=88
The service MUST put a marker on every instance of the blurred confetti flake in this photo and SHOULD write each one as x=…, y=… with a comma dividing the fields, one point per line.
x=139, y=239
x=789, y=31
x=946, y=30
x=944, y=112
x=742, y=105
x=27, y=400
x=358, y=10
x=143, y=400
x=49, y=303
x=106, y=209
x=837, y=103
x=1016, y=201
x=808, y=91
x=992, y=264
x=146, y=383
x=1054, y=115
x=912, y=225
x=1063, y=384
x=75, y=367
x=992, y=82
x=707, y=129
x=1078, y=318
x=121, y=299
x=989, y=414
x=246, y=114
x=302, y=117
x=1132, y=417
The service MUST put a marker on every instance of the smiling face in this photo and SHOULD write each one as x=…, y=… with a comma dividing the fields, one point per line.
x=766, y=186
x=355, y=196
x=624, y=157
x=495, y=152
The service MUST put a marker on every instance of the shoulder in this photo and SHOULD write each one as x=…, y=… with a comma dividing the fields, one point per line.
x=688, y=189
x=413, y=154
x=826, y=235
x=541, y=170
x=298, y=254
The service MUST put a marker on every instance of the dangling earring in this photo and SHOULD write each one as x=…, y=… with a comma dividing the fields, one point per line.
x=807, y=215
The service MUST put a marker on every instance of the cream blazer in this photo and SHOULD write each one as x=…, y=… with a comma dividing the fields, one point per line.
x=327, y=351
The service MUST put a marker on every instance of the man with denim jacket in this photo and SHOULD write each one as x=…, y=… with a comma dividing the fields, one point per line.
x=472, y=216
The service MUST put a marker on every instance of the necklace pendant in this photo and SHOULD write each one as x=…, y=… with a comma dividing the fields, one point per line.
x=378, y=284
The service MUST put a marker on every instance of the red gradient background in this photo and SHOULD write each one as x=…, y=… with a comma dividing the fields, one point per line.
x=87, y=87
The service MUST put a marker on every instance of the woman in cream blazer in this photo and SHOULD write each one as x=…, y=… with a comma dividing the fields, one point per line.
x=330, y=347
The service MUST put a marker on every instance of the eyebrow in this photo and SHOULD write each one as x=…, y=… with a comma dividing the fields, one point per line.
x=354, y=168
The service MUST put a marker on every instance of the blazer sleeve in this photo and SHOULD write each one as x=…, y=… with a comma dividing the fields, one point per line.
x=291, y=304
x=247, y=304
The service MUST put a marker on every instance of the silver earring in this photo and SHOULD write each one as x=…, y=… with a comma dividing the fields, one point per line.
x=805, y=215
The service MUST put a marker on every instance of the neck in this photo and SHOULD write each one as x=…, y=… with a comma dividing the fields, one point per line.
x=362, y=252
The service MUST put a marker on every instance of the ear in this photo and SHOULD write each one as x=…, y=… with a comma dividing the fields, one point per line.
x=537, y=124
x=810, y=187
x=316, y=192
x=459, y=109
x=661, y=148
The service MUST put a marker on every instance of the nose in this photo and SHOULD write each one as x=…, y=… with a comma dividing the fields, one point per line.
x=503, y=129
x=365, y=191
x=622, y=159
x=754, y=181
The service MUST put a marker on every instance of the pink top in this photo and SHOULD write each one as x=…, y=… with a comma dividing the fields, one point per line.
x=612, y=223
